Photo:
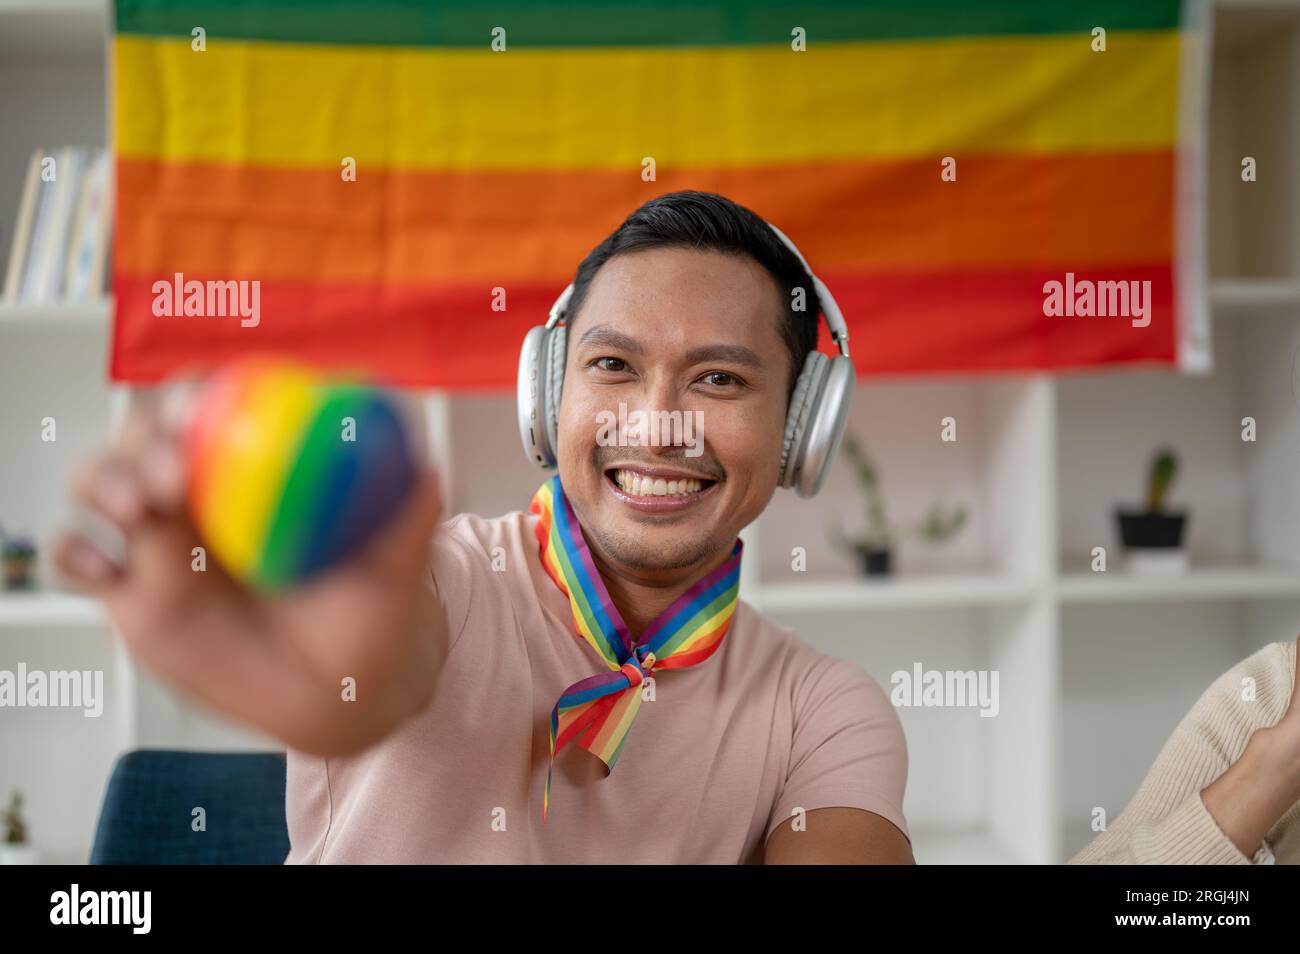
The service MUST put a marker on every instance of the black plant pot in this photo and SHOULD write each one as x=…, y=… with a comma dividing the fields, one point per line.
x=1149, y=530
x=874, y=562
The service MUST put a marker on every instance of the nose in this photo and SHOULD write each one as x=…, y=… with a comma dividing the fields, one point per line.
x=665, y=418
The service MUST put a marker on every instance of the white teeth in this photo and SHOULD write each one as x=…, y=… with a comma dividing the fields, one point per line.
x=636, y=485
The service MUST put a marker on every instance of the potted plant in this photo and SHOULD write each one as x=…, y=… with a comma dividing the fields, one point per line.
x=15, y=849
x=19, y=558
x=875, y=546
x=1153, y=538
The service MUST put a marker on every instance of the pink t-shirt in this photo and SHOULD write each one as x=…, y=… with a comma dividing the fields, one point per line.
x=726, y=751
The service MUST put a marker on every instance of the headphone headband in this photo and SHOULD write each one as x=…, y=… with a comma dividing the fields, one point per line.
x=830, y=307
x=561, y=305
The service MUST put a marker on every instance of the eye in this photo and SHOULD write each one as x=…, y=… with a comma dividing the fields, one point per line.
x=721, y=379
x=610, y=364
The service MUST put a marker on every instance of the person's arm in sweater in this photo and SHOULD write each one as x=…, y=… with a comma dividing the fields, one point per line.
x=1223, y=780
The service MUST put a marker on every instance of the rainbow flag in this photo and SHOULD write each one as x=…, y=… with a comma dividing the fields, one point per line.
x=389, y=173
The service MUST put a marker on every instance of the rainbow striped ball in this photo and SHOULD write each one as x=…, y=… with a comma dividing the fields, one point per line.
x=289, y=473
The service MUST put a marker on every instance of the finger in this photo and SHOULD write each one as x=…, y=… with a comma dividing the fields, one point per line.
x=141, y=422
x=164, y=413
x=178, y=405
x=81, y=564
x=162, y=475
x=110, y=485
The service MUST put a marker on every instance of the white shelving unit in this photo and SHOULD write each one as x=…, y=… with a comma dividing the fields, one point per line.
x=917, y=592
x=1230, y=296
x=1095, y=669
x=56, y=316
x=46, y=609
x=1199, y=584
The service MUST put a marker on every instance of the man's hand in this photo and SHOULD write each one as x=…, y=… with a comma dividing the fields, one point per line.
x=1248, y=799
x=276, y=662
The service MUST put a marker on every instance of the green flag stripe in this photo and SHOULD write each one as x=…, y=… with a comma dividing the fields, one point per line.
x=470, y=23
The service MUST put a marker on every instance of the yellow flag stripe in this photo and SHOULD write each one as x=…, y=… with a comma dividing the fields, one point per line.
x=598, y=108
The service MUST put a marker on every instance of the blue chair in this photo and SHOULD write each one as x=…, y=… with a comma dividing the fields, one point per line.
x=147, y=815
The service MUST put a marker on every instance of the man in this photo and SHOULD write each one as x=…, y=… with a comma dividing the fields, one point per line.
x=473, y=668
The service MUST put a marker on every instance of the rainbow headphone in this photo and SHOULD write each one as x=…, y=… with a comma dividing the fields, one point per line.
x=814, y=425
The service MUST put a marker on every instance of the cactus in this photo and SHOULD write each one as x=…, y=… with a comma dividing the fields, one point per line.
x=17, y=548
x=1164, y=468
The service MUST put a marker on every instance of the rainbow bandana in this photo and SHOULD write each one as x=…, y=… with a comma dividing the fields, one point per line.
x=598, y=711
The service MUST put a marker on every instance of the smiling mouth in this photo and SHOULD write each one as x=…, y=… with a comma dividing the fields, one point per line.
x=642, y=485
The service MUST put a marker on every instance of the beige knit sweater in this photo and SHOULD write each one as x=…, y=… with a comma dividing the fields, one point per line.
x=1166, y=822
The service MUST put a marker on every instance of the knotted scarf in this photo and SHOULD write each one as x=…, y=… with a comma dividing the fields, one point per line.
x=598, y=711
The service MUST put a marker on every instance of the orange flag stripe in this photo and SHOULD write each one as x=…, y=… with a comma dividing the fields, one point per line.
x=434, y=228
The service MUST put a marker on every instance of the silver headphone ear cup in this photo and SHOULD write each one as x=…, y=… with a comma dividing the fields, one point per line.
x=528, y=388
x=556, y=353
x=827, y=418
x=796, y=419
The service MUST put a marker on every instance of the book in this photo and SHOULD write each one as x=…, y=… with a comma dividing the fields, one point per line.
x=21, y=238
x=100, y=263
x=46, y=265
x=84, y=271
x=40, y=226
x=62, y=235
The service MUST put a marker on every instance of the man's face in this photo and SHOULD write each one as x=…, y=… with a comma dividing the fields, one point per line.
x=673, y=330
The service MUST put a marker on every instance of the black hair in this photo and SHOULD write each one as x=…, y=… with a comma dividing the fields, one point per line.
x=706, y=220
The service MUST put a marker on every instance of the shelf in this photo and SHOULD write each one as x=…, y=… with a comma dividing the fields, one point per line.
x=48, y=608
x=56, y=316
x=907, y=592
x=1252, y=295
x=1198, y=583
